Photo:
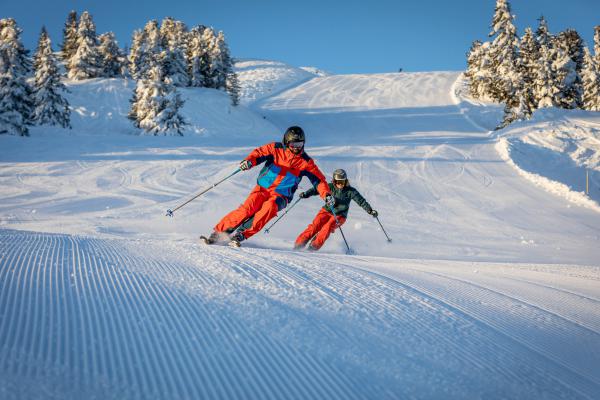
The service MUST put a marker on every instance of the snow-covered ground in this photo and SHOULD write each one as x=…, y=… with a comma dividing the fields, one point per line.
x=490, y=287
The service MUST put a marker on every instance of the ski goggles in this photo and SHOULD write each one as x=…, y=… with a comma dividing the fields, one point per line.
x=338, y=182
x=295, y=145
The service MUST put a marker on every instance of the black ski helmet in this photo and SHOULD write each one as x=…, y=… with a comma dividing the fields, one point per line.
x=340, y=175
x=293, y=134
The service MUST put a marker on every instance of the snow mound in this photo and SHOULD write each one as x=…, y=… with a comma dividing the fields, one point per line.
x=261, y=78
x=557, y=150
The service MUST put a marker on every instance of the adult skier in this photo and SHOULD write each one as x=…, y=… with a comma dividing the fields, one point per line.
x=325, y=222
x=285, y=165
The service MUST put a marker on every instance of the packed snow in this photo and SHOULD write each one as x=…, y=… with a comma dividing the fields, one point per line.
x=490, y=287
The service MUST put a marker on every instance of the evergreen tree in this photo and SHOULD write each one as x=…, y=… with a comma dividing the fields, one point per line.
x=135, y=54
x=542, y=33
x=86, y=63
x=566, y=75
x=503, y=54
x=522, y=104
x=233, y=88
x=573, y=89
x=151, y=47
x=156, y=104
x=50, y=108
x=200, y=42
x=69, y=44
x=529, y=55
x=173, y=36
x=546, y=87
x=475, y=57
x=111, y=56
x=15, y=93
x=221, y=62
x=516, y=110
x=207, y=65
x=591, y=82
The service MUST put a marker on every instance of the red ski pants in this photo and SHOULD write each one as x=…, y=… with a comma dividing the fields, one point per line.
x=322, y=226
x=261, y=203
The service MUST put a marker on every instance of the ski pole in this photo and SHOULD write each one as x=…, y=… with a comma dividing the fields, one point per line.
x=283, y=215
x=170, y=212
x=384, y=232
x=341, y=231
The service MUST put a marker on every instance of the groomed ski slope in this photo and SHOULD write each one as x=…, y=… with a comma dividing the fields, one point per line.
x=489, y=289
x=101, y=318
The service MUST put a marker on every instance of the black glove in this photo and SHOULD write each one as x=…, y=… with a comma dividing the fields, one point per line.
x=302, y=195
x=374, y=213
x=245, y=165
x=330, y=201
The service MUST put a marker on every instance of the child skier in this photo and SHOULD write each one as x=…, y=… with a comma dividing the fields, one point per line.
x=285, y=165
x=325, y=223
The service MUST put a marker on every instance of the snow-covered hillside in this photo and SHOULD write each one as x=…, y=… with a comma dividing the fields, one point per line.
x=490, y=287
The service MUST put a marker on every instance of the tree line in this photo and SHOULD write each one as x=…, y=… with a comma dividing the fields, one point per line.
x=536, y=70
x=161, y=59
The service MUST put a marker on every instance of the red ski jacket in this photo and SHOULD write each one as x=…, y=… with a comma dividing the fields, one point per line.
x=284, y=170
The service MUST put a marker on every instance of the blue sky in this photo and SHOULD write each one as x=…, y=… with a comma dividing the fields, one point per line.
x=337, y=36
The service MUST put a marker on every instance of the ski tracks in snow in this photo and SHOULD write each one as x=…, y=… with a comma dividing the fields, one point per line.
x=83, y=317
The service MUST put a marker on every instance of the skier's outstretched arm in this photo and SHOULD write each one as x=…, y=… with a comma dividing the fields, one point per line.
x=361, y=201
x=318, y=180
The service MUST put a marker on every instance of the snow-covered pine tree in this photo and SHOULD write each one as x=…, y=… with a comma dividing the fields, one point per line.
x=591, y=82
x=565, y=74
x=518, y=108
x=86, y=63
x=192, y=56
x=522, y=105
x=474, y=59
x=49, y=106
x=151, y=47
x=233, y=88
x=546, y=85
x=542, y=33
x=173, y=36
x=69, y=44
x=503, y=53
x=572, y=91
x=201, y=40
x=111, y=56
x=15, y=92
x=134, y=59
x=529, y=54
x=221, y=62
x=156, y=104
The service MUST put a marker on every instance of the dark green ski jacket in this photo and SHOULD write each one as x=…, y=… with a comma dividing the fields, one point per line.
x=342, y=199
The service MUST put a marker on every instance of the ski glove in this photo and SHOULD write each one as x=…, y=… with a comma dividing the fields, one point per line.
x=374, y=213
x=330, y=201
x=303, y=195
x=245, y=165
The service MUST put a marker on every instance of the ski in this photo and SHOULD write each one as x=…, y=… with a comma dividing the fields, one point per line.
x=234, y=243
x=205, y=240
